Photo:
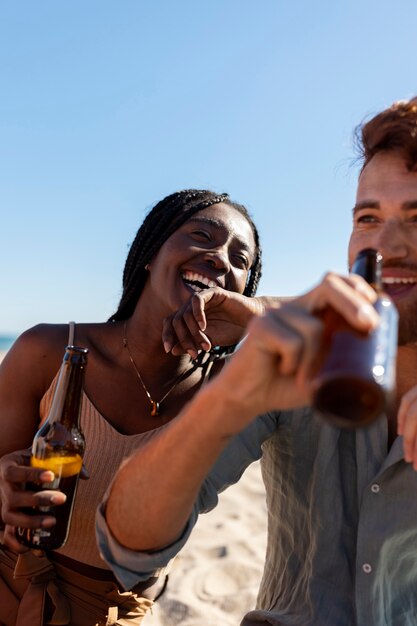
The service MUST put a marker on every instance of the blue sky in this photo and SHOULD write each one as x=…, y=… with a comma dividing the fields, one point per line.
x=106, y=107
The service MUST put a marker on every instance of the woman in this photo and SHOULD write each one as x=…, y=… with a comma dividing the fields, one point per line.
x=196, y=254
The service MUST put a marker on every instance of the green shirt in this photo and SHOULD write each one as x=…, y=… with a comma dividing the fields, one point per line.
x=342, y=532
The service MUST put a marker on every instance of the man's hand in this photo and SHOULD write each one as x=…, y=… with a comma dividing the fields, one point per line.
x=276, y=364
x=407, y=425
x=149, y=503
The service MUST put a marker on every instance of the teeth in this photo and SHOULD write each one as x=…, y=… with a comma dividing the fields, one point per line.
x=194, y=277
x=397, y=280
x=194, y=287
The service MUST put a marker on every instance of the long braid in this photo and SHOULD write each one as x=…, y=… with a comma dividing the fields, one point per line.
x=163, y=220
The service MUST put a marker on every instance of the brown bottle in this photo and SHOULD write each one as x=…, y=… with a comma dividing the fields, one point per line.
x=59, y=446
x=357, y=381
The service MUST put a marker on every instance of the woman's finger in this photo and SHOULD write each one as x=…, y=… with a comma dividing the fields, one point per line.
x=21, y=474
x=181, y=335
x=188, y=330
x=9, y=540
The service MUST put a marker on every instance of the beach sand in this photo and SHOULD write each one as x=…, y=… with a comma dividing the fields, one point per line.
x=215, y=578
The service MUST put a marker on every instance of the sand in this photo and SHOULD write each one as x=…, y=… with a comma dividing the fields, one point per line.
x=215, y=578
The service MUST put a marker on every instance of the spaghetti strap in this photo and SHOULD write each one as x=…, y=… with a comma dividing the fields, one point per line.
x=71, y=333
x=207, y=365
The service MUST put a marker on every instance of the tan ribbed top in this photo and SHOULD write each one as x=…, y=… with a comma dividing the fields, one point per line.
x=105, y=450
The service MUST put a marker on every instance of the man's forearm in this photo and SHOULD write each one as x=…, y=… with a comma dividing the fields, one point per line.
x=155, y=490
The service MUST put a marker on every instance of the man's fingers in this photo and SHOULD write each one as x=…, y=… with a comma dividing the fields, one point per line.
x=407, y=425
x=299, y=338
x=407, y=401
x=292, y=335
x=350, y=296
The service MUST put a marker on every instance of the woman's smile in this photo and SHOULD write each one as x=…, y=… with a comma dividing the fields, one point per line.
x=196, y=282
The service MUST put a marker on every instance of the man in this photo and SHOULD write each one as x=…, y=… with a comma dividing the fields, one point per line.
x=342, y=505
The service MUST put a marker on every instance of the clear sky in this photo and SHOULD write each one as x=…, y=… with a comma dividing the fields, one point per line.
x=106, y=107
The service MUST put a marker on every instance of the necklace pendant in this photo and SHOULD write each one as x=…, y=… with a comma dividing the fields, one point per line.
x=154, y=408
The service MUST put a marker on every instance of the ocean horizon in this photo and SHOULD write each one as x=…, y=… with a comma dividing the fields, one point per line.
x=6, y=342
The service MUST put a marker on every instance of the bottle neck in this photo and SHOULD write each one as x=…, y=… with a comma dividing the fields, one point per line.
x=65, y=406
x=368, y=265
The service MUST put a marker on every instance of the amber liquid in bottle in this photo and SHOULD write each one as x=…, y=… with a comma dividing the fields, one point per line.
x=357, y=381
x=59, y=446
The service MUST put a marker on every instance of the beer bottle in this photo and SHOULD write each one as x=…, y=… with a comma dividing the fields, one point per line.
x=357, y=381
x=59, y=446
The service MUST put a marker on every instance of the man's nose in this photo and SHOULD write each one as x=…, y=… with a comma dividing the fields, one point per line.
x=392, y=240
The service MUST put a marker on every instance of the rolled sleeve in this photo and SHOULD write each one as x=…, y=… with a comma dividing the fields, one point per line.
x=130, y=566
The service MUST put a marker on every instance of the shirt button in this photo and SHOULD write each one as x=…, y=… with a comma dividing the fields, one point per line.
x=367, y=568
x=375, y=488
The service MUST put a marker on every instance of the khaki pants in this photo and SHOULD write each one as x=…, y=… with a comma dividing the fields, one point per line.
x=36, y=592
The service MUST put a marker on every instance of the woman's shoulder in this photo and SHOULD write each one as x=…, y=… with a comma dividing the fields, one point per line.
x=33, y=360
x=41, y=349
x=51, y=337
x=42, y=340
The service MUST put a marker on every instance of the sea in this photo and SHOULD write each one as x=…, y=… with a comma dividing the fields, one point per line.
x=5, y=342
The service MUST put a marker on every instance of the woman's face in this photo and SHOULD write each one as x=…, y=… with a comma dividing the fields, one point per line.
x=214, y=248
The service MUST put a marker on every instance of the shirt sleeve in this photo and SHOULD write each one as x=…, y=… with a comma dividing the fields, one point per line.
x=131, y=567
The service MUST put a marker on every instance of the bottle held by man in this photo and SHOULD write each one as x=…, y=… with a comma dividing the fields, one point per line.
x=357, y=381
x=59, y=446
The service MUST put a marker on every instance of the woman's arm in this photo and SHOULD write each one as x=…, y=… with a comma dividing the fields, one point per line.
x=213, y=317
x=22, y=382
x=25, y=374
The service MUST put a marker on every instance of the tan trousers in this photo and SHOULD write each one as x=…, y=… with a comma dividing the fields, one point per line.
x=36, y=592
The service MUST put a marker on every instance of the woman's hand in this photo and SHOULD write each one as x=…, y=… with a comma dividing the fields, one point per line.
x=15, y=473
x=407, y=425
x=213, y=317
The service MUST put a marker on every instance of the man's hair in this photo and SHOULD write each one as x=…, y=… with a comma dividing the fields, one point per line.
x=394, y=129
x=160, y=223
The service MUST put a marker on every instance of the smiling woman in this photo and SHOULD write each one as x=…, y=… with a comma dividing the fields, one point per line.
x=217, y=245
x=197, y=252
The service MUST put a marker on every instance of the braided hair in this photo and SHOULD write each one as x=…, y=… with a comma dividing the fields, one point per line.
x=159, y=224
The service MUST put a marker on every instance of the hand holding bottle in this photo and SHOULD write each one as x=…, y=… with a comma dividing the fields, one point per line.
x=15, y=472
x=58, y=449
x=277, y=363
x=356, y=383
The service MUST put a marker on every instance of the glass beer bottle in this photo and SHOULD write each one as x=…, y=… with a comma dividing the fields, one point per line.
x=357, y=381
x=59, y=446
